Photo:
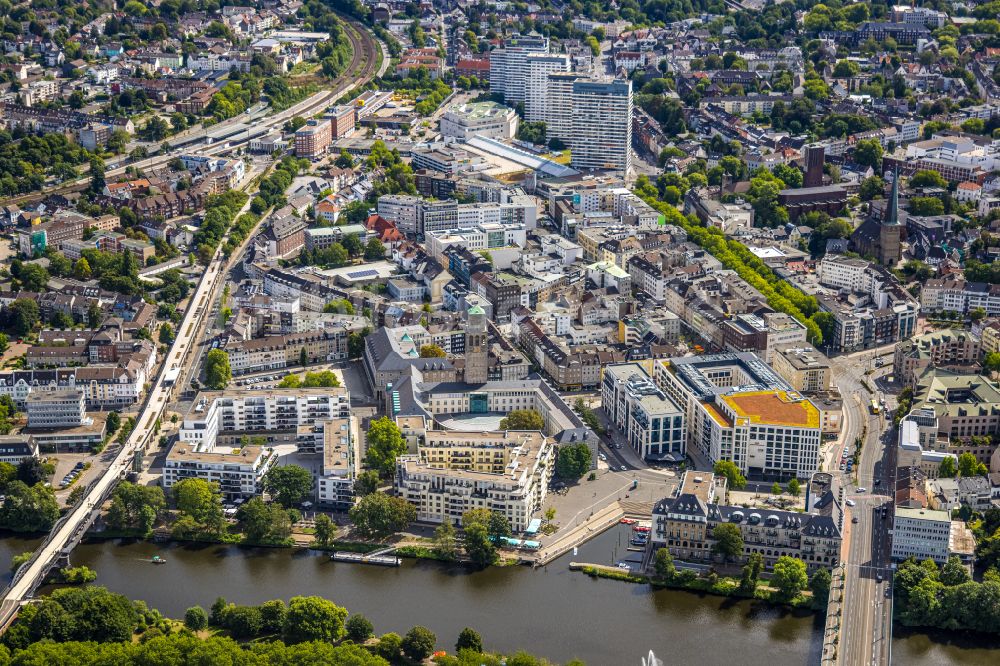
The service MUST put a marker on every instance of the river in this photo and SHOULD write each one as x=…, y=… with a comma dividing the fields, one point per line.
x=551, y=612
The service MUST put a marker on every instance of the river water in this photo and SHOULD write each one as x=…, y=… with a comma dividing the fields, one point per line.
x=551, y=612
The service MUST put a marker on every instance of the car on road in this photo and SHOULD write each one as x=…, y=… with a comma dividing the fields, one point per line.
x=851, y=502
x=879, y=578
x=862, y=490
x=854, y=519
x=623, y=468
x=602, y=457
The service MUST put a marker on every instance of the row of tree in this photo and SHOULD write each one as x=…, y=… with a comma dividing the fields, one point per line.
x=946, y=597
x=93, y=625
x=781, y=295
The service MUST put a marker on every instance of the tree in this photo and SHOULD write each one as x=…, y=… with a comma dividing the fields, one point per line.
x=264, y=523
x=374, y=250
x=819, y=585
x=326, y=530
x=314, y=619
x=344, y=160
x=366, y=483
x=926, y=206
x=789, y=576
x=95, y=315
x=663, y=564
x=968, y=466
x=379, y=515
x=992, y=362
x=4, y=343
x=954, y=572
x=776, y=488
x=136, y=507
x=290, y=381
x=23, y=315
x=751, y=573
x=868, y=152
x=31, y=470
x=977, y=314
x=113, y=423
x=303, y=357
x=359, y=628
x=385, y=444
x=846, y=69
x=728, y=541
x=523, y=419
x=195, y=618
x=928, y=178
x=948, y=468
x=217, y=370
x=431, y=351
x=288, y=484
x=389, y=646
x=97, y=181
x=273, y=614
x=418, y=643
x=444, y=541
x=166, y=333
x=573, y=461
x=498, y=527
x=478, y=546
x=728, y=469
x=28, y=508
x=202, y=502
x=872, y=187
x=794, y=488
x=469, y=639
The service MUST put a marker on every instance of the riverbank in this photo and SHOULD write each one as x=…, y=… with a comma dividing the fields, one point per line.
x=721, y=586
x=512, y=606
x=408, y=550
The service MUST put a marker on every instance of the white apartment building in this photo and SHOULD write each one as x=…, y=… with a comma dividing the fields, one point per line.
x=842, y=272
x=602, y=126
x=921, y=533
x=955, y=295
x=652, y=423
x=536, y=95
x=57, y=409
x=238, y=471
x=341, y=463
x=508, y=70
x=558, y=98
x=480, y=237
x=453, y=472
x=215, y=412
x=403, y=209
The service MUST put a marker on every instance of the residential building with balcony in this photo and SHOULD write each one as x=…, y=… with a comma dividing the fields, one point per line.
x=454, y=472
x=947, y=349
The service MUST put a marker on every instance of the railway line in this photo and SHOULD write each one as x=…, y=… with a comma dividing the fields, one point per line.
x=359, y=71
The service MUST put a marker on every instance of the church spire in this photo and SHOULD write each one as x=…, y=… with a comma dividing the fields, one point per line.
x=892, y=210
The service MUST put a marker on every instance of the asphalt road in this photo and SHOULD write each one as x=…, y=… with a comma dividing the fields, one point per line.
x=866, y=626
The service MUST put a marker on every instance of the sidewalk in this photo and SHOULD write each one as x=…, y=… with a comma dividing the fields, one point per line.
x=594, y=525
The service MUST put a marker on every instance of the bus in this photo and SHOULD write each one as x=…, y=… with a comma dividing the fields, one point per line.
x=874, y=406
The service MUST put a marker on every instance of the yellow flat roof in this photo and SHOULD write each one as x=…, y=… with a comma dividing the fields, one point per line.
x=719, y=417
x=774, y=408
